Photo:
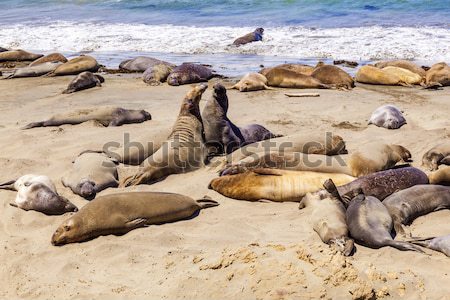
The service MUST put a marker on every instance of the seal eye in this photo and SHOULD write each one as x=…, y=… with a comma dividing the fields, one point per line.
x=66, y=227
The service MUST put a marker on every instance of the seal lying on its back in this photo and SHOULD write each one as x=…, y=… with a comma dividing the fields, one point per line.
x=441, y=244
x=252, y=82
x=387, y=116
x=333, y=76
x=83, y=81
x=371, y=225
x=37, y=192
x=438, y=75
x=18, y=55
x=107, y=116
x=189, y=73
x=274, y=185
x=407, y=205
x=438, y=155
x=76, y=66
x=141, y=64
x=328, y=220
x=53, y=57
x=122, y=212
x=404, y=64
x=254, y=36
x=34, y=71
x=441, y=176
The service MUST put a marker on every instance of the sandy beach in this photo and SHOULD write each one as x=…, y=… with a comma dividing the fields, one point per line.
x=238, y=250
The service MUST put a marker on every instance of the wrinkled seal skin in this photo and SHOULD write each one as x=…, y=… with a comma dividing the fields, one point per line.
x=76, y=66
x=184, y=150
x=370, y=224
x=252, y=82
x=37, y=192
x=274, y=185
x=107, y=116
x=49, y=58
x=387, y=116
x=18, y=55
x=289, y=79
x=141, y=64
x=441, y=176
x=328, y=220
x=373, y=75
x=404, y=64
x=438, y=155
x=83, y=81
x=90, y=174
x=297, y=68
x=407, y=205
x=438, y=75
x=189, y=73
x=122, y=212
x=333, y=76
x=254, y=36
x=157, y=74
x=34, y=71
x=380, y=184
x=441, y=244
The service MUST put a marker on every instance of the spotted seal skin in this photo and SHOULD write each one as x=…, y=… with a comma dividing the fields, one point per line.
x=141, y=64
x=406, y=205
x=387, y=116
x=188, y=73
x=18, y=55
x=83, y=81
x=441, y=244
x=34, y=71
x=254, y=36
x=438, y=155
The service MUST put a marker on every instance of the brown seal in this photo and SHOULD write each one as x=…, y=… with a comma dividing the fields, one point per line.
x=122, y=212
x=333, y=76
x=83, y=81
x=141, y=64
x=373, y=75
x=184, y=150
x=252, y=82
x=107, y=116
x=404, y=64
x=438, y=75
x=49, y=58
x=189, y=73
x=254, y=36
x=441, y=176
x=289, y=79
x=297, y=68
x=157, y=74
x=76, y=66
x=18, y=55
x=439, y=154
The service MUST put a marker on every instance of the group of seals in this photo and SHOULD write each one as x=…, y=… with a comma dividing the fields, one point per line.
x=254, y=36
x=85, y=80
x=387, y=116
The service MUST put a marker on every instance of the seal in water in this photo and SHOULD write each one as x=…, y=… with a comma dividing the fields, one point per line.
x=83, y=81
x=441, y=244
x=189, y=73
x=438, y=155
x=254, y=36
x=387, y=116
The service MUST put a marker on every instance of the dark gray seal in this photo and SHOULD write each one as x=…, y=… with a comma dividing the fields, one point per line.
x=387, y=116
x=141, y=63
x=254, y=36
x=83, y=81
x=189, y=73
x=441, y=244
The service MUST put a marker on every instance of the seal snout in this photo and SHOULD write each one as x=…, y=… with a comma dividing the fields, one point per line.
x=87, y=190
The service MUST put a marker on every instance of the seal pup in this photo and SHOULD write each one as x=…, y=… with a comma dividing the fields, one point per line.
x=441, y=244
x=142, y=63
x=438, y=155
x=184, y=150
x=189, y=73
x=289, y=79
x=405, y=75
x=107, y=116
x=252, y=82
x=328, y=220
x=274, y=185
x=91, y=173
x=441, y=176
x=34, y=71
x=83, y=81
x=297, y=68
x=438, y=75
x=380, y=184
x=370, y=224
x=254, y=36
x=404, y=64
x=18, y=55
x=37, y=192
x=76, y=66
x=406, y=205
x=333, y=76
x=157, y=74
x=53, y=57
x=387, y=116
x=373, y=75
x=122, y=212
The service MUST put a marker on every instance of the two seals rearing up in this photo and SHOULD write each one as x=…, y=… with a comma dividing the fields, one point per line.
x=184, y=150
x=387, y=116
x=254, y=36
x=122, y=212
x=85, y=80
x=438, y=155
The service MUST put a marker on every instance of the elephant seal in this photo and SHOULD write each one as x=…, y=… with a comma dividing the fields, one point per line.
x=289, y=79
x=274, y=185
x=3, y=49
x=254, y=133
x=380, y=184
x=157, y=74
x=328, y=220
x=53, y=57
x=438, y=155
x=34, y=71
x=252, y=82
x=141, y=64
x=83, y=81
x=76, y=66
x=254, y=36
x=184, y=150
x=90, y=174
x=297, y=68
x=37, y=192
x=373, y=75
x=387, y=116
x=188, y=73
x=441, y=244
x=438, y=75
x=404, y=64
x=441, y=176
x=371, y=225
x=18, y=55
x=333, y=76
x=107, y=116
x=406, y=205
x=122, y=212
x=405, y=75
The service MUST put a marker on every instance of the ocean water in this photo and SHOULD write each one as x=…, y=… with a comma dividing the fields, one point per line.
x=202, y=31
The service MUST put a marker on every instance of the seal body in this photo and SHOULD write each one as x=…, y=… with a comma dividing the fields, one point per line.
x=438, y=75
x=406, y=205
x=122, y=212
x=405, y=75
x=289, y=79
x=387, y=116
x=439, y=154
x=251, y=82
x=83, y=81
x=274, y=185
x=91, y=173
x=404, y=64
x=441, y=176
x=157, y=74
x=374, y=75
x=254, y=36
x=76, y=66
x=34, y=71
x=189, y=73
x=441, y=244
x=141, y=64
x=297, y=68
x=53, y=57
x=18, y=55
x=334, y=76
x=107, y=116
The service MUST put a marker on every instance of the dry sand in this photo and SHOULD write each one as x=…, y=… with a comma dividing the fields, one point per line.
x=239, y=250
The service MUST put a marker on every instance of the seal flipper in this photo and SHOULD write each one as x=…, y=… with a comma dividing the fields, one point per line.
x=206, y=202
x=404, y=246
x=445, y=160
x=33, y=125
x=136, y=223
x=266, y=171
x=332, y=189
x=9, y=185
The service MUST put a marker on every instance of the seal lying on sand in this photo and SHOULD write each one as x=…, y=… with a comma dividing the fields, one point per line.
x=53, y=57
x=18, y=55
x=405, y=75
x=141, y=64
x=91, y=173
x=371, y=225
x=441, y=244
x=37, y=192
x=122, y=212
x=387, y=116
x=252, y=82
x=157, y=74
x=184, y=150
x=289, y=79
x=439, y=154
x=254, y=36
x=380, y=184
x=189, y=73
x=333, y=76
x=297, y=68
x=441, y=176
x=76, y=66
x=373, y=75
x=407, y=205
x=328, y=220
x=274, y=185
x=107, y=116
x=438, y=75
x=404, y=64
x=83, y=81
x=34, y=71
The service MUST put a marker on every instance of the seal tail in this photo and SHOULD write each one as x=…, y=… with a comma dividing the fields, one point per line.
x=404, y=246
x=206, y=202
x=67, y=91
x=9, y=185
x=33, y=125
x=8, y=77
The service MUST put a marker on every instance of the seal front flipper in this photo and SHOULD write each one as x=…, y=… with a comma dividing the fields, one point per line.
x=206, y=202
x=136, y=223
x=33, y=125
x=9, y=185
x=404, y=246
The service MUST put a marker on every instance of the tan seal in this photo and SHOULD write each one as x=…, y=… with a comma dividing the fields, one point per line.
x=404, y=64
x=405, y=75
x=289, y=79
x=438, y=75
x=18, y=55
x=157, y=74
x=83, y=81
x=333, y=76
x=438, y=155
x=297, y=68
x=49, y=58
x=76, y=66
x=441, y=176
x=373, y=75
x=34, y=71
x=252, y=82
